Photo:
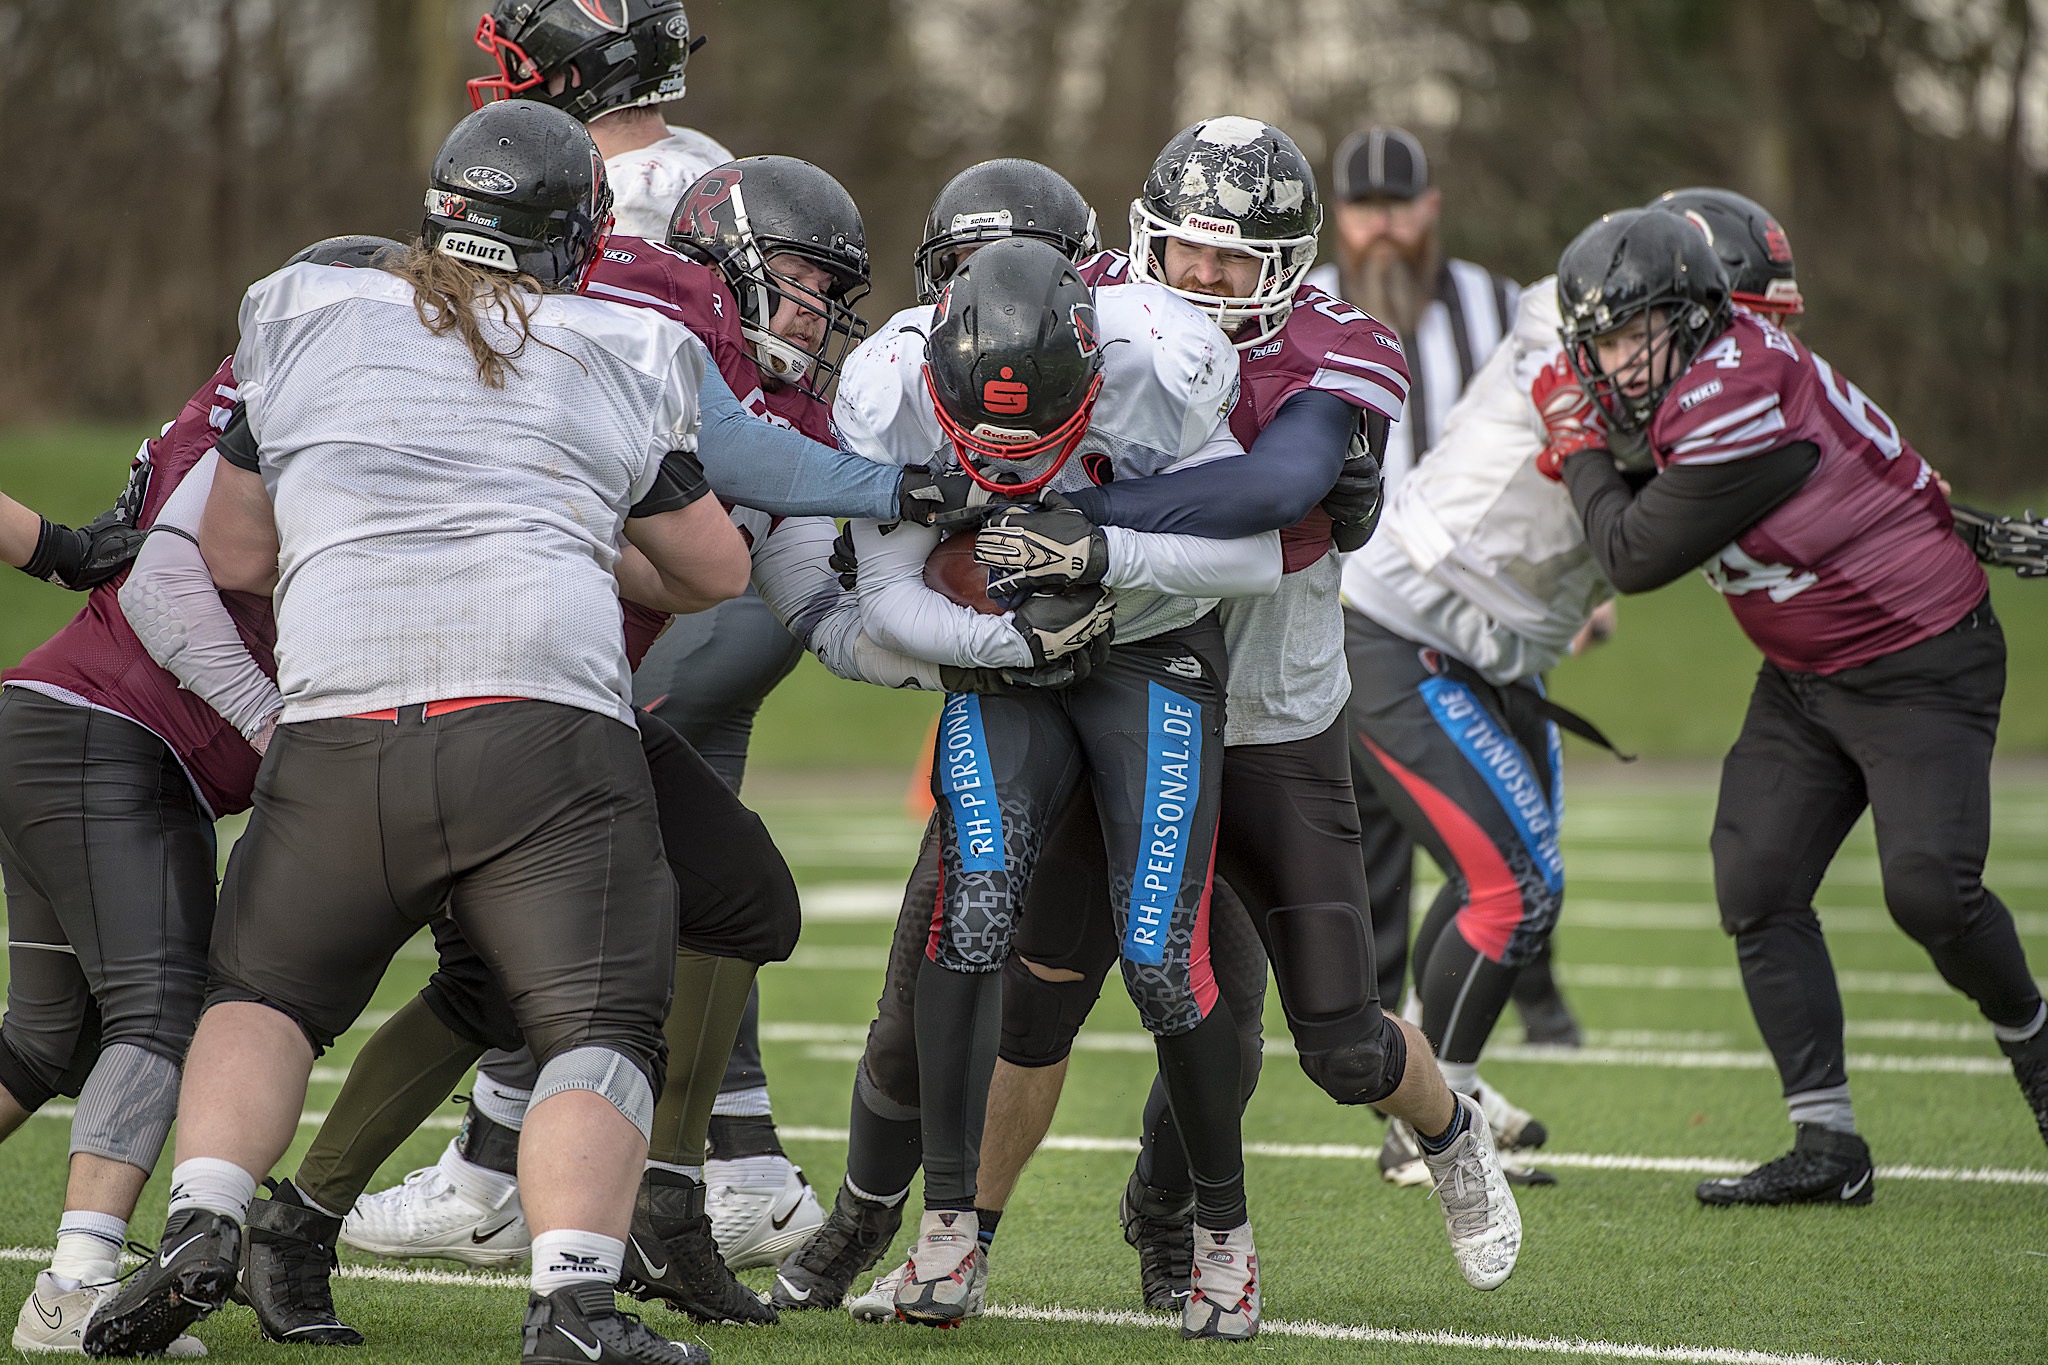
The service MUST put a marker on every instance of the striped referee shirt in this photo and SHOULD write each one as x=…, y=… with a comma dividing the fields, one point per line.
x=1471, y=312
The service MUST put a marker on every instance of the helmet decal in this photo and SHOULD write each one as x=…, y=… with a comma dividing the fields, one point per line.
x=1006, y=396
x=1777, y=243
x=610, y=14
x=698, y=213
x=1082, y=316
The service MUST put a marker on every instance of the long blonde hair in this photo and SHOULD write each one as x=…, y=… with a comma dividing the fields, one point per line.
x=452, y=295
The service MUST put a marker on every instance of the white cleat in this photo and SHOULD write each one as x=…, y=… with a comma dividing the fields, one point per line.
x=878, y=1304
x=52, y=1322
x=447, y=1211
x=1479, y=1209
x=945, y=1281
x=1401, y=1156
x=759, y=1221
x=1223, y=1296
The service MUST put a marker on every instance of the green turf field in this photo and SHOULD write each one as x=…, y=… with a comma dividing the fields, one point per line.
x=1949, y=1264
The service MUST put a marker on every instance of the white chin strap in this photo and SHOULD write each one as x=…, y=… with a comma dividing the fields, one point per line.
x=780, y=360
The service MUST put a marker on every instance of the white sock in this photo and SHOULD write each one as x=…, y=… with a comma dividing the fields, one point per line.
x=209, y=1183
x=1462, y=1077
x=89, y=1246
x=500, y=1103
x=568, y=1257
x=695, y=1173
x=743, y=1104
x=481, y=1183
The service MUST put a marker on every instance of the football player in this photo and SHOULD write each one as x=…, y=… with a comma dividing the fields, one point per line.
x=1884, y=665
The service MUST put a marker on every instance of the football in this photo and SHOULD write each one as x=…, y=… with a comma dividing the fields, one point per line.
x=951, y=571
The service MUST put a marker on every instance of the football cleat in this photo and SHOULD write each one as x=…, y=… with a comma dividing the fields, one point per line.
x=582, y=1325
x=759, y=1222
x=1823, y=1167
x=947, y=1275
x=190, y=1275
x=1223, y=1296
x=1479, y=1209
x=53, y=1319
x=852, y=1238
x=1162, y=1229
x=1401, y=1156
x=878, y=1304
x=670, y=1256
x=2030, y=1069
x=1514, y=1129
x=443, y=1211
x=287, y=1256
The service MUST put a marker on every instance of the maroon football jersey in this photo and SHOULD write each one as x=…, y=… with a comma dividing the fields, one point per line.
x=1324, y=344
x=650, y=275
x=1863, y=560
x=98, y=657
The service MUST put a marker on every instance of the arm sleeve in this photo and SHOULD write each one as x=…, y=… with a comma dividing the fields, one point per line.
x=1294, y=462
x=1681, y=518
x=793, y=578
x=900, y=613
x=783, y=472
x=176, y=612
x=1191, y=566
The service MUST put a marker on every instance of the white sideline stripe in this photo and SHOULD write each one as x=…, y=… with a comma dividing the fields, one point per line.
x=1096, y=1317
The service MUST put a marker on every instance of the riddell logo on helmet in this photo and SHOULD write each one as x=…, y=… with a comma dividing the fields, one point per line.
x=1007, y=396
x=1222, y=227
x=988, y=433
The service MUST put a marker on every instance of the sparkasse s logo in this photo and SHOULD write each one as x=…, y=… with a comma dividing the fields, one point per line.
x=1007, y=396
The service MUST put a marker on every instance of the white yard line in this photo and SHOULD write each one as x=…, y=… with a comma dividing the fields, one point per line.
x=1160, y=1322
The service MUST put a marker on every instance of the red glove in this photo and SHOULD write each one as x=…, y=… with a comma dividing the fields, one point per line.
x=1571, y=422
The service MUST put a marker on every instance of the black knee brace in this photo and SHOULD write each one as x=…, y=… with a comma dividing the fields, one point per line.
x=1361, y=1072
x=1322, y=956
x=1040, y=1017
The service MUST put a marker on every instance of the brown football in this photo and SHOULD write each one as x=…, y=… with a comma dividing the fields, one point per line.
x=951, y=571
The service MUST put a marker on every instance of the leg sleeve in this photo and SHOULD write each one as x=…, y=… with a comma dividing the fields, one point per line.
x=709, y=673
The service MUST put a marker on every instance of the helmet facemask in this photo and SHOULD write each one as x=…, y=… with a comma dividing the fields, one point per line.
x=760, y=299
x=1013, y=460
x=1249, y=320
x=1676, y=331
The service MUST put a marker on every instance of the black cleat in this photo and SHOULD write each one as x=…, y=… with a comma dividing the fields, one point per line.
x=1547, y=1022
x=671, y=1256
x=1161, y=1225
x=287, y=1255
x=850, y=1240
x=190, y=1276
x=582, y=1325
x=1823, y=1167
x=2030, y=1069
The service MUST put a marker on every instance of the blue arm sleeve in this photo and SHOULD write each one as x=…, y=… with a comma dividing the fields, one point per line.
x=783, y=472
x=1288, y=470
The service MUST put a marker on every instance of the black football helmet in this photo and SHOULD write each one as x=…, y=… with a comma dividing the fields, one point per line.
x=1639, y=262
x=1753, y=249
x=612, y=54
x=349, y=251
x=738, y=217
x=519, y=187
x=1007, y=197
x=1241, y=185
x=1014, y=364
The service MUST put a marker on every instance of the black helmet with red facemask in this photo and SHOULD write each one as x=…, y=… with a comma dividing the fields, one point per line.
x=610, y=54
x=1014, y=365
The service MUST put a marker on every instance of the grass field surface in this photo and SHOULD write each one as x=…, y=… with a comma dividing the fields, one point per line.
x=1949, y=1264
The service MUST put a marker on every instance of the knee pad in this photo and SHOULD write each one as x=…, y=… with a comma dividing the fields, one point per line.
x=605, y=1072
x=476, y=1010
x=127, y=1105
x=1365, y=1071
x=880, y=1103
x=888, y=1066
x=1925, y=897
x=1040, y=1017
x=1322, y=955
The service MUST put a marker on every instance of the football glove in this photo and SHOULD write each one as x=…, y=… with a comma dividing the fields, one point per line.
x=843, y=561
x=84, y=558
x=2017, y=543
x=1354, y=501
x=1064, y=671
x=1040, y=549
x=945, y=500
x=1570, y=421
x=1055, y=625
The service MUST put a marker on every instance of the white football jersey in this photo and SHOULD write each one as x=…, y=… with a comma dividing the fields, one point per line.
x=1169, y=382
x=647, y=181
x=1478, y=554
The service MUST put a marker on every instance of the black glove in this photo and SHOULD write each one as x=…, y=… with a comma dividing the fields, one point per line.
x=1040, y=549
x=1064, y=671
x=1058, y=624
x=1354, y=501
x=844, y=562
x=89, y=556
x=945, y=501
x=2017, y=543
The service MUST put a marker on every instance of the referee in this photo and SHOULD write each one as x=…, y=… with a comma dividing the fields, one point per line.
x=1449, y=314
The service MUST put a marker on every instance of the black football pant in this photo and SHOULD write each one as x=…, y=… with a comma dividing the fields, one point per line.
x=1909, y=736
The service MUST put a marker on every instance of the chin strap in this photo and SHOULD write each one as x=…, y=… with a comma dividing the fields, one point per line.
x=2018, y=543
